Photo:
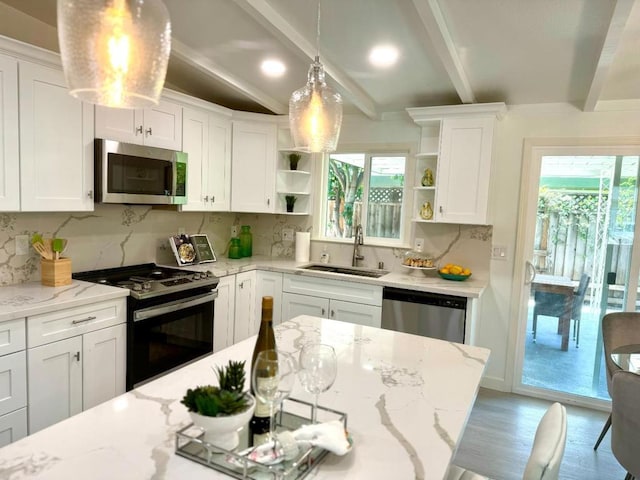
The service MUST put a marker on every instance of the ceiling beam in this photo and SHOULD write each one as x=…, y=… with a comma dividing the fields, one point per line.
x=609, y=47
x=208, y=67
x=443, y=45
x=270, y=18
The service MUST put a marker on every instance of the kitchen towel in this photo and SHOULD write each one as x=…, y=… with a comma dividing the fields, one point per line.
x=303, y=246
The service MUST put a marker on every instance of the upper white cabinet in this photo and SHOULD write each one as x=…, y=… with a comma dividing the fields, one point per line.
x=158, y=126
x=456, y=146
x=56, y=143
x=253, y=167
x=207, y=141
x=9, y=140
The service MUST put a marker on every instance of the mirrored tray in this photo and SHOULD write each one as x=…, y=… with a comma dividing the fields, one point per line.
x=293, y=414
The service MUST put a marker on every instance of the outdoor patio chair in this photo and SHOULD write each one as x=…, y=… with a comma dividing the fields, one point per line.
x=618, y=329
x=552, y=305
x=546, y=453
x=625, y=426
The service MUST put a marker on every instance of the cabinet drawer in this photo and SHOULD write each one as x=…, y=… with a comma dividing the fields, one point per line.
x=333, y=289
x=13, y=382
x=13, y=427
x=51, y=327
x=12, y=336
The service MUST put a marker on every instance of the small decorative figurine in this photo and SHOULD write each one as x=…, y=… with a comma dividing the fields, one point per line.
x=427, y=178
x=426, y=212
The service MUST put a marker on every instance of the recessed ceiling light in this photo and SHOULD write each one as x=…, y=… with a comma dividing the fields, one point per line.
x=273, y=68
x=383, y=55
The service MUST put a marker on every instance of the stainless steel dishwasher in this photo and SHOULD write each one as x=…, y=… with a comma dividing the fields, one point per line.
x=423, y=313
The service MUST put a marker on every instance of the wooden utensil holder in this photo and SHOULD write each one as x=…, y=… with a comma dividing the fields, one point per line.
x=55, y=273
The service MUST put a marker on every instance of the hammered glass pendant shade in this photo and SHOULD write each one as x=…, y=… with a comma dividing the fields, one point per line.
x=315, y=114
x=115, y=52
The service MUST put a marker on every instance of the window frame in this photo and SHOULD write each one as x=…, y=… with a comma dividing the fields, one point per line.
x=320, y=207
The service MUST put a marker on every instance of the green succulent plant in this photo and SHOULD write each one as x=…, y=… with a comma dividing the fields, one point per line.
x=294, y=158
x=227, y=398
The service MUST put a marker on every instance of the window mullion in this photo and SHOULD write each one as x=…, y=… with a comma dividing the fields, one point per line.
x=365, y=192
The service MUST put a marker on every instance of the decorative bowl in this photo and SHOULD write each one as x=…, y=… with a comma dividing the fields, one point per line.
x=451, y=276
x=424, y=270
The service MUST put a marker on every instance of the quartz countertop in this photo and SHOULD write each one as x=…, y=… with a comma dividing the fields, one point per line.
x=417, y=280
x=407, y=399
x=32, y=298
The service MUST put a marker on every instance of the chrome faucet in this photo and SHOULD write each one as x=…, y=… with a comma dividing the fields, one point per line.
x=357, y=241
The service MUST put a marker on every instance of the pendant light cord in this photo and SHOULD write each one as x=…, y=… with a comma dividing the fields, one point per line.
x=318, y=35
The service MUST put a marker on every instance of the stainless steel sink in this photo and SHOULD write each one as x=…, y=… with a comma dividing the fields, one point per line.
x=361, y=272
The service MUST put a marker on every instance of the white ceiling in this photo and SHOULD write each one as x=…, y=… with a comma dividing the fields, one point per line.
x=583, y=52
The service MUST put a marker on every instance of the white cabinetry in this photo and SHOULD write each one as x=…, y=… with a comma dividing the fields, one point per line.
x=159, y=126
x=9, y=139
x=224, y=313
x=456, y=145
x=207, y=141
x=76, y=360
x=13, y=381
x=352, y=302
x=269, y=284
x=253, y=167
x=56, y=143
x=245, y=323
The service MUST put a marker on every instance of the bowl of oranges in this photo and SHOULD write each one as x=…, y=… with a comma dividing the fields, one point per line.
x=454, y=272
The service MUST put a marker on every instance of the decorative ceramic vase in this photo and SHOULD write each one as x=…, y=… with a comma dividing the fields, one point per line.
x=223, y=431
x=427, y=178
x=426, y=212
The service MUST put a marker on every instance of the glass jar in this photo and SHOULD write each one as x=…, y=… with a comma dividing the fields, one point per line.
x=246, y=241
x=234, y=248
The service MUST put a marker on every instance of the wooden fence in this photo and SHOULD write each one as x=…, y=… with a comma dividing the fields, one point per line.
x=383, y=219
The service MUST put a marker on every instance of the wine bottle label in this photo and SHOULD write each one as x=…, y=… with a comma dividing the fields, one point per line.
x=262, y=409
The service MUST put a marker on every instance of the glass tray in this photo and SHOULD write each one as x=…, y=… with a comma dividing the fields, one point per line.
x=292, y=415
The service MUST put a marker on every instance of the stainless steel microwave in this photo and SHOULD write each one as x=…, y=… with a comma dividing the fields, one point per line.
x=137, y=174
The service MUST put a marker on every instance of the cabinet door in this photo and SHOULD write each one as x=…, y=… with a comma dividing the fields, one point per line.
x=13, y=382
x=269, y=284
x=464, y=169
x=54, y=382
x=357, y=313
x=220, y=163
x=195, y=142
x=9, y=152
x=121, y=124
x=253, y=167
x=294, y=304
x=103, y=365
x=13, y=427
x=224, y=313
x=163, y=125
x=56, y=143
x=245, y=318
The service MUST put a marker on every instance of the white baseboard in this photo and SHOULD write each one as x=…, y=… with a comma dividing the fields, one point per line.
x=495, y=383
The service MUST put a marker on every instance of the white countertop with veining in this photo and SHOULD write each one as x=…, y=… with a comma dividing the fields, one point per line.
x=32, y=298
x=417, y=280
x=407, y=399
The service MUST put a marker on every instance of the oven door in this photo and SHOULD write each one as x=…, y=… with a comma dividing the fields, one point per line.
x=166, y=336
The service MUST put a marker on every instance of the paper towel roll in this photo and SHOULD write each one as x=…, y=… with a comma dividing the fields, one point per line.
x=303, y=246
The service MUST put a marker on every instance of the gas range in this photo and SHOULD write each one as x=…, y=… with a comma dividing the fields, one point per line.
x=149, y=280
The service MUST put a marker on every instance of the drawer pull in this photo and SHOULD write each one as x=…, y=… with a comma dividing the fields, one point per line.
x=332, y=314
x=88, y=319
x=323, y=312
x=77, y=356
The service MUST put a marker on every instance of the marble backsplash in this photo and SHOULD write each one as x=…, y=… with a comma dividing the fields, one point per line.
x=117, y=235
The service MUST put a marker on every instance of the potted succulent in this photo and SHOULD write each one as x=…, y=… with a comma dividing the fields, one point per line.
x=221, y=411
x=294, y=158
x=291, y=201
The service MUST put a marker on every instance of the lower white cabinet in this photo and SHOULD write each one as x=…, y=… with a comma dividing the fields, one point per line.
x=224, y=313
x=13, y=381
x=76, y=360
x=269, y=284
x=294, y=304
x=245, y=324
x=13, y=426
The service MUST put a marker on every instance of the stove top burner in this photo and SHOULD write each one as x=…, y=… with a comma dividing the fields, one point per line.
x=149, y=280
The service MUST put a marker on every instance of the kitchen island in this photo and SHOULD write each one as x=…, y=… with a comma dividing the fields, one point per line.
x=407, y=399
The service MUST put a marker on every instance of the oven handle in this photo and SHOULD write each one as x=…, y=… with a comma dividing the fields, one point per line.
x=174, y=306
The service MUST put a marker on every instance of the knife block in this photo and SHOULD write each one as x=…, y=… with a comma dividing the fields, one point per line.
x=55, y=273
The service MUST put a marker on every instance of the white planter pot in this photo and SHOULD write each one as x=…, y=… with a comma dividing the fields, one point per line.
x=223, y=431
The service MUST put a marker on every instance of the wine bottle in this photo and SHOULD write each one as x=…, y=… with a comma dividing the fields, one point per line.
x=260, y=422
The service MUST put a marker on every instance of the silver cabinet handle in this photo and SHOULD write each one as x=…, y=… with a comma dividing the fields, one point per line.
x=149, y=132
x=268, y=202
x=213, y=198
x=90, y=194
x=323, y=311
x=440, y=208
x=174, y=306
x=206, y=199
x=241, y=285
x=77, y=356
x=139, y=130
x=332, y=314
x=88, y=319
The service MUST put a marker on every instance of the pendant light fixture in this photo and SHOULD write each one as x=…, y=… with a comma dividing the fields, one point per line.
x=115, y=52
x=315, y=110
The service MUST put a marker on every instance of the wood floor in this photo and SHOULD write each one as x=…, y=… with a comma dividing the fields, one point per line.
x=498, y=437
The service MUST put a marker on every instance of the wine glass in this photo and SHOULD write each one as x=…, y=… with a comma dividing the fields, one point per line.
x=272, y=379
x=318, y=369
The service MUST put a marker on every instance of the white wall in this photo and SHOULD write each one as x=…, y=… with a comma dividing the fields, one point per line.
x=498, y=318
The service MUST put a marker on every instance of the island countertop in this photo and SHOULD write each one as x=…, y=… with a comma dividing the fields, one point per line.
x=407, y=399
